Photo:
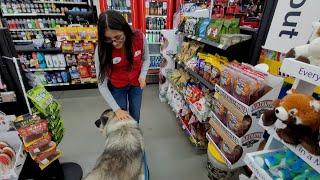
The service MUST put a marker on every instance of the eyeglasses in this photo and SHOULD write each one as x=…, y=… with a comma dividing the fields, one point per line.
x=116, y=39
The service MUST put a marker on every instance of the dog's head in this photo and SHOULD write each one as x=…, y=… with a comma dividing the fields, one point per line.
x=106, y=116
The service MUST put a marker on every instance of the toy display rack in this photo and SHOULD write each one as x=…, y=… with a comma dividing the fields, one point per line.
x=306, y=80
x=250, y=141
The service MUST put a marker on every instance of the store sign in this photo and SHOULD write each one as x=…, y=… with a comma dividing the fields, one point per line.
x=292, y=24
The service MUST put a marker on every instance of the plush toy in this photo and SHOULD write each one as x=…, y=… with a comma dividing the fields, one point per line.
x=297, y=119
x=308, y=53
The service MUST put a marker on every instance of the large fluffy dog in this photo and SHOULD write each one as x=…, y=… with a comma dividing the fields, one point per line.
x=122, y=158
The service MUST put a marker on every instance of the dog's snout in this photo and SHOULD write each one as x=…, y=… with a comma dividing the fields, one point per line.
x=97, y=123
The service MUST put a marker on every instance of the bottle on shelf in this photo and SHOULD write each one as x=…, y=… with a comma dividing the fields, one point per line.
x=147, y=5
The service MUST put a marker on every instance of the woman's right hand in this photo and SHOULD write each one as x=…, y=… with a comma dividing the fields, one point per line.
x=122, y=115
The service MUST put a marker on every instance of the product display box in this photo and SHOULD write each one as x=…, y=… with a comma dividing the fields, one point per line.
x=241, y=139
x=256, y=169
x=14, y=141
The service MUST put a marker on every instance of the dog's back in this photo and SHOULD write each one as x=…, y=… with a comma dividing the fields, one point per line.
x=122, y=158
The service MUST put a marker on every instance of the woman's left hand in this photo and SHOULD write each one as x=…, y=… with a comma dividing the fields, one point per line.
x=142, y=82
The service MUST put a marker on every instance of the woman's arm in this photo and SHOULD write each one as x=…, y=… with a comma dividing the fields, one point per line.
x=103, y=87
x=146, y=59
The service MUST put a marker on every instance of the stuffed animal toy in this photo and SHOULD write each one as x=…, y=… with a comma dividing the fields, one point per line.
x=297, y=119
x=308, y=53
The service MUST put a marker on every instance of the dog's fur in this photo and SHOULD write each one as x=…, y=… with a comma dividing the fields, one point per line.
x=122, y=158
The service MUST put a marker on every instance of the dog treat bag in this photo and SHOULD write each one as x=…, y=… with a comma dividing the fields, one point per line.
x=203, y=27
x=43, y=100
x=234, y=26
x=214, y=30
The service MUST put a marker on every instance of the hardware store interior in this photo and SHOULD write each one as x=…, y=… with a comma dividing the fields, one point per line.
x=159, y=89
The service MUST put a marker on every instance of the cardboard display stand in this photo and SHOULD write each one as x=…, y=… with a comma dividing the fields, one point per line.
x=251, y=139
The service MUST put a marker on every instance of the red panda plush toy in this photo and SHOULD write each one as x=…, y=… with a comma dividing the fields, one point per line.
x=297, y=119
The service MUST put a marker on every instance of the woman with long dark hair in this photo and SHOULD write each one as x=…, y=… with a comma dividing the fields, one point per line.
x=122, y=64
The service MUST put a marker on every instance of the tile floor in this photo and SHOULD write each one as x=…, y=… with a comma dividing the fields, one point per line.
x=169, y=153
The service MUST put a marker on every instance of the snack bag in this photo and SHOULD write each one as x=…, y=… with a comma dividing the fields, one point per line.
x=67, y=47
x=214, y=30
x=72, y=33
x=82, y=33
x=202, y=29
x=244, y=87
x=88, y=47
x=92, y=33
x=43, y=100
x=225, y=27
x=71, y=60
x=77, y=47
x=226, y=79
x=61, y=33
x=234, y=26
x=220, y=111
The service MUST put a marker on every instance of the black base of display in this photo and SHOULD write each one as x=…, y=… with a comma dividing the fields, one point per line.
x=64, y=171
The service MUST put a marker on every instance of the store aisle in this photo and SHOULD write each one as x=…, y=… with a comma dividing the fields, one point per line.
x=170, y=155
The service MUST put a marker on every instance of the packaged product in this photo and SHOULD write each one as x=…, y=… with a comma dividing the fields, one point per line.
x=226, y=79
x=234, y=26
x=244, y=87
x=43, y=100
x=72, y=33
x=78, y=47
x=67, y=47
x=214, y=30
x=71, y=60
x=220, y=111
x=231, y=150
x=61, y=33
x=88, y=47
x=203, y=24
x=92, y=33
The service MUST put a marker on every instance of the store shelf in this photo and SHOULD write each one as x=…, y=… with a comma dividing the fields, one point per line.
x=80, y=13
x=44, y=29
x=154, y=30
x=156, y=16
x=312, y=160
x=259, y=172
x=58, y=84
x=22, y=41
x=208, y=42
x=159, y=43
x=30, y=48
x=154, y=54
x=32, y=14
x=46, y=69
x=197, y=76
x=122, y=10
x=247, y=28
x=60, y=2
x=152, y=68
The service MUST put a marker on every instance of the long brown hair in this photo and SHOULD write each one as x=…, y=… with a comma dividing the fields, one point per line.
x=112, y=20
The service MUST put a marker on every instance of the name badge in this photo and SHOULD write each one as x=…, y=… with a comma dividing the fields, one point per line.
x=116, y=60
x=137, y=53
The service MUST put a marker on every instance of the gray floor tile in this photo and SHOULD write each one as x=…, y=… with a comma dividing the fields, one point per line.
x=169, y=153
